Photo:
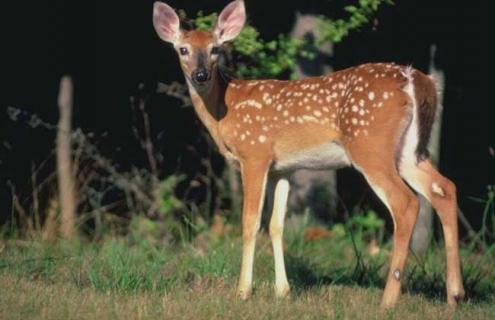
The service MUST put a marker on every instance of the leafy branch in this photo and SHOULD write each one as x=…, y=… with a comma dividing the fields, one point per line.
x=258, y=58
x=359, y=15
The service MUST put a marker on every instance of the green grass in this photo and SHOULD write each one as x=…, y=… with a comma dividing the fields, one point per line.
x=123, y=279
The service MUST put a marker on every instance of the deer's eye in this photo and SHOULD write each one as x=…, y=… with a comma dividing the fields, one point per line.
x=215, y=50
x=183, y=51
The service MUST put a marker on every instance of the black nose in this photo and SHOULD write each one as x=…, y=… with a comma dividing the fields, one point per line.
x=200, y=75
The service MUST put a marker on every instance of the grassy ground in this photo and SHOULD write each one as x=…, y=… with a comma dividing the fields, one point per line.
x=124, y=279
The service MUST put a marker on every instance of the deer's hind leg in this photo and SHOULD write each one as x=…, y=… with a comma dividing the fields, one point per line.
x=380, y=171
x=403, y=206
x=441, y=192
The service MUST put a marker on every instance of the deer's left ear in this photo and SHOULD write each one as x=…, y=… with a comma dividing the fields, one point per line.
x=230, y=21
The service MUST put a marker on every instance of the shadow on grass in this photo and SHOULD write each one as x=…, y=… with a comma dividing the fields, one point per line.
x=303, y=277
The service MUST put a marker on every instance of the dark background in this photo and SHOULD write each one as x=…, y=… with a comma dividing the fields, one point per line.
x=110, y=47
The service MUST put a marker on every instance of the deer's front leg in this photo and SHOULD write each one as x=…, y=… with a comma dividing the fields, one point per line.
x=254, y=175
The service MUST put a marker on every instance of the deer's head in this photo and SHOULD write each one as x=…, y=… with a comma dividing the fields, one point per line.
x=198, y=50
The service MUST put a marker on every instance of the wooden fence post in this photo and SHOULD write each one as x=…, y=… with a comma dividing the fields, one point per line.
x=66, y=191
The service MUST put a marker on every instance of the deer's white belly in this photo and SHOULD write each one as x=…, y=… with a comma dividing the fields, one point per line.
x=328, y=155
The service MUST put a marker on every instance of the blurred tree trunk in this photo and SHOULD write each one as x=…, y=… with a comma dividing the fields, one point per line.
x=67, y=197
x=422, y=231
x=50, y=227
x=314, y=189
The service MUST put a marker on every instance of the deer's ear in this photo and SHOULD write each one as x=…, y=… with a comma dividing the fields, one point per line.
x=166, y=22
x=230, y=21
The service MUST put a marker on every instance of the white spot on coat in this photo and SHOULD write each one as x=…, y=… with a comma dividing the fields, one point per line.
x=437, y=189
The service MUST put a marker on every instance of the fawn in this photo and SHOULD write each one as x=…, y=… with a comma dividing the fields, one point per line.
x=375, y=117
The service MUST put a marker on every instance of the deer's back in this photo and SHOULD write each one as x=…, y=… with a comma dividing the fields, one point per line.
x=318, y=115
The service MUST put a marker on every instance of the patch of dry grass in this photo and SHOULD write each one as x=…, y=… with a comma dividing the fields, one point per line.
x=25, y=299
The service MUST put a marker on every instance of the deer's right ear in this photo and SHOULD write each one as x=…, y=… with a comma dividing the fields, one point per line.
x=166, y=22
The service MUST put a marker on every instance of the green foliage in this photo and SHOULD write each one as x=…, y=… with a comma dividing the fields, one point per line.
x=266, y=59
x=165, y=226
x=359, y=15
x=169, y=202
x=367, y=226
x=203, y=22
x=487, y=232
x=259, y=58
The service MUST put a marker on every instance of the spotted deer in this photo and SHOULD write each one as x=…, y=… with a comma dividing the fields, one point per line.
x=376, y=117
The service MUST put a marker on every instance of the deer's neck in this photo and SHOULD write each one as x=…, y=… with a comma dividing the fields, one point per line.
x=210, y=106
